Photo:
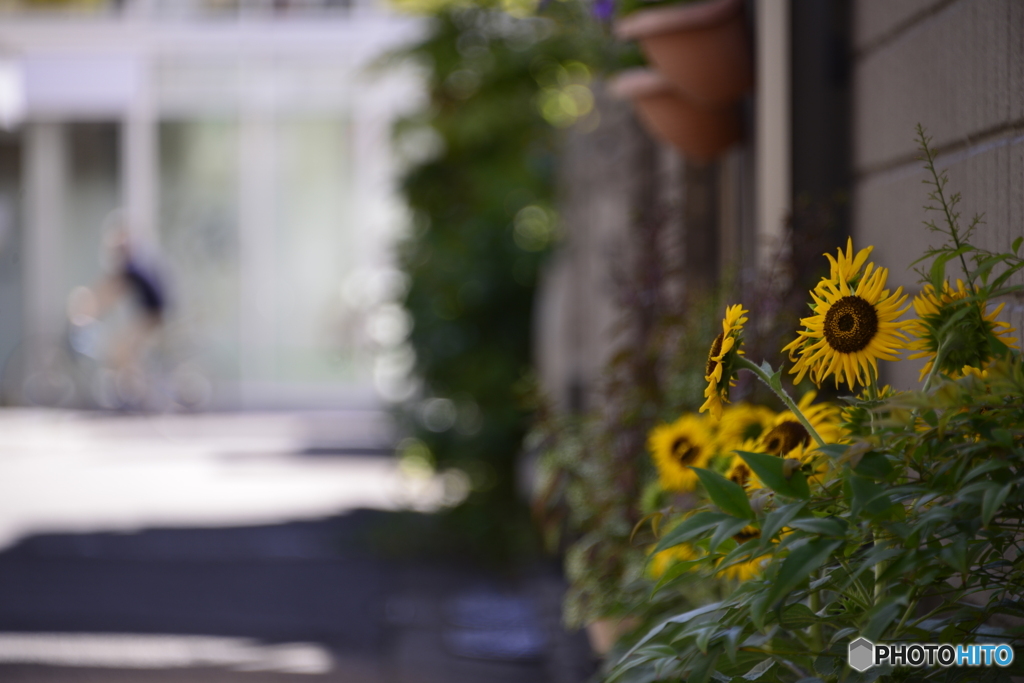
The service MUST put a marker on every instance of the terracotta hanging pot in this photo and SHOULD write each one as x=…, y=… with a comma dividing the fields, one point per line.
x=703, y=48
x=698, y=131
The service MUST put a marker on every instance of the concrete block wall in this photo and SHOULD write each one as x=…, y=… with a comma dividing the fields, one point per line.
x=956, y=67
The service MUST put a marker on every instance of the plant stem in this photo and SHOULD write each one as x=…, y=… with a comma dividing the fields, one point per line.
x=781, y=393
x=815, y=605
x=910, y=608
x=939, y=357
x=939, y=182
x=879, y=568
x=872, y=386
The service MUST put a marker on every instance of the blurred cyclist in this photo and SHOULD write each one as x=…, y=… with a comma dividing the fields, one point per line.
x=133, y=275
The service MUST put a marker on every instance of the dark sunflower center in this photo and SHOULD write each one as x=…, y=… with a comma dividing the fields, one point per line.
x=785, y=437
x=716, y=348
x=684, y=451
x=850, y=324
x=746, y=534
x=740, y=475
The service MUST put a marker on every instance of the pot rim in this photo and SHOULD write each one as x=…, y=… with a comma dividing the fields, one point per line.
x=682, y=17
x=638, y=82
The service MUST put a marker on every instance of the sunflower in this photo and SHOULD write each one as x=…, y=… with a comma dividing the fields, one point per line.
x=677, y=448
x=739, y=471
x=787, y=436
x=852, y=328
x=846, y=267
x=967, y=370
x=970, y=338
x=741, y=422
x=744, y=571
x=719, y=371
x=660, y=562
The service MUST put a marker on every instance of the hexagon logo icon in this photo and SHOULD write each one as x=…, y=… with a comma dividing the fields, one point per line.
x=862, y=654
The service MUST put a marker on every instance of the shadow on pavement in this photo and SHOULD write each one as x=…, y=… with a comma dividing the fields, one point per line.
x=270, y=591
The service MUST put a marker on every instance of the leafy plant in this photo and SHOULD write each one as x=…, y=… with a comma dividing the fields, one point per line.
x=910, y=530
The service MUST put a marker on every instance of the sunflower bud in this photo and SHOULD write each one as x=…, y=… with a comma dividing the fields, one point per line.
x=761, y=499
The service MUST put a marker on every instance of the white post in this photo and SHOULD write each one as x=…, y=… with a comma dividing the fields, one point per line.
x=773, y=185
x=139, y=171
x=256, y=236
x=45, y=176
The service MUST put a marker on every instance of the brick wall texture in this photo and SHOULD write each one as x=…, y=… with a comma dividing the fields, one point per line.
x=956, y=67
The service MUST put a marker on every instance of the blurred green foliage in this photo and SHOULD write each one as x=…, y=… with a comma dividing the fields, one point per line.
x=500, y=90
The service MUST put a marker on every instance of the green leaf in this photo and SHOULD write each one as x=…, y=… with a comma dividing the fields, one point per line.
x=778, y=518
x=675, y=573
x=705, y=666
x=1007, y=606
x=825, y=526
x=955, y=554
x=880, y=617
x=759, y=609
x=798, y=615
x=937, y=273
x=874, y=465
x=993, y=500
x=985, y=467
x=972, y=493
x=1004, y=437
x=703, y=636
x=799, y=565
x=760, y=670
x=727, y=495
x=662, y=649
x=731, y=641
x=661, y=667
x=726, y=529
x=842, y=634
x=985, y=266
x=690, y=528
x=866, y=496
x=740, y=552
x=1016, y=244
x=677, y=619
x=824, y=665
x=623, y=667
x=1004, y=276
x=771, y=470
x=834, y=450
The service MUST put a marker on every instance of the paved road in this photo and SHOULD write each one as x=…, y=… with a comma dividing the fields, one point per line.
x=137, y=553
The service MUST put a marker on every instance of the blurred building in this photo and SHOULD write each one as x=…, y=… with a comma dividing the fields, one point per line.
x=246, y=144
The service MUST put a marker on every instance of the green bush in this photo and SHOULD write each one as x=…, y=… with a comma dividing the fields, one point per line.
x=500, y=90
